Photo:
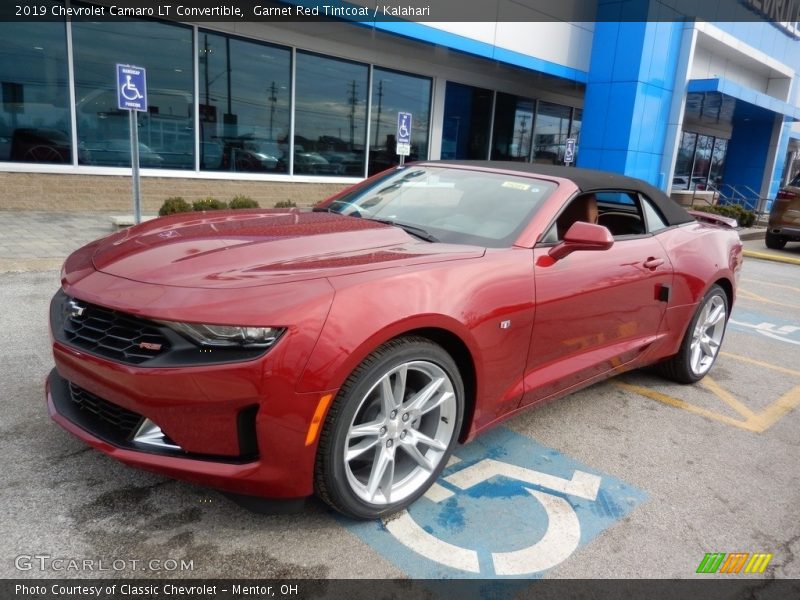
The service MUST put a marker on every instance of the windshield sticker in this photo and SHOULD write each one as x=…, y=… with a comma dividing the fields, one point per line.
x=516, y=185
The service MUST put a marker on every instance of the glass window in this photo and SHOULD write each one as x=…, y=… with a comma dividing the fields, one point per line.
x=513, y=128
x=575, y=130
x=550, y=133
x=330, y=116
x=35, y=123
x=467, y=120
x=702, y=162
x=166, y=130
x=457, y=206
x=718, y=162
x=394, y=92
x=655, y=222
x=683, y=165
x=244, y=105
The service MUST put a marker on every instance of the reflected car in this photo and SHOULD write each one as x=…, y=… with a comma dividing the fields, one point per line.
x=313, y=162
x=345, y=351
x=41, y=144
x=255, y=156
x=784, y=217
x=117, y=153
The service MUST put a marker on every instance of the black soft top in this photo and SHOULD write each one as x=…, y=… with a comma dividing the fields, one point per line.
x=587, y=180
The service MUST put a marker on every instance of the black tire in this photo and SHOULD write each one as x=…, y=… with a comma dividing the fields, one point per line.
x=345, y=484
x=774, y=241
x=679, y=367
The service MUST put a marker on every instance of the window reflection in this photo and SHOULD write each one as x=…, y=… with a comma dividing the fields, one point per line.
x=394, y=92
x=330, y=116
x=513, y=128
x=244, y=105
x=166, y=130
x=683, y=165
x=717, y=162
x=35, y=122
x=700, y=163
x=550, y=133
x=467, y=120
x=575, y=130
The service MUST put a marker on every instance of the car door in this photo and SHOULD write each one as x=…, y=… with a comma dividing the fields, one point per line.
x=597, y=310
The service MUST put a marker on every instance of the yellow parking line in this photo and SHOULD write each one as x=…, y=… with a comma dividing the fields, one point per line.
x=770, y=283
x=776, y=257
x=677, y=403
x=760, y=363
x=724, y=395
x=746, y=295
x=775, y=412
x=756, y=422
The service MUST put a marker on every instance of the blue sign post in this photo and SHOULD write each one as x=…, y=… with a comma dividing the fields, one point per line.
x=132, y=96
x=403, y=135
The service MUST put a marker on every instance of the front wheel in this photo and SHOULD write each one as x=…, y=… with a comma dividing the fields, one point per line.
x=390, y=430
x=702, y=341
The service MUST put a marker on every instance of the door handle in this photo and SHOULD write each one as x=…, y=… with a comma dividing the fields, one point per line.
x=652, y=262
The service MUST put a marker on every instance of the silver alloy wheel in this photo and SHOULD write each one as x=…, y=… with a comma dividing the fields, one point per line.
x=400, y=432
x=707, y=335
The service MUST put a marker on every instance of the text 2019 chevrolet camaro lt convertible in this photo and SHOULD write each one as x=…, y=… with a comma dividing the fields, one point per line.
x=344, y=351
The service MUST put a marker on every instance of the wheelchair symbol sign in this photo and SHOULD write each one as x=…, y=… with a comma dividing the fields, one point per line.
x=131, y=88
x=504, y=507
x=404, y=133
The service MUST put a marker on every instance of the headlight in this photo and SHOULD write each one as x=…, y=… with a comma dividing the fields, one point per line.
x=227, y=336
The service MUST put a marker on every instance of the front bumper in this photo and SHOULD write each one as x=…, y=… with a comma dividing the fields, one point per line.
x=240, y=427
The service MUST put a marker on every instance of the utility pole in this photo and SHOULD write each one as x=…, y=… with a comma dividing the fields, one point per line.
x=380, y=105
x=273, y=98
x=353, y=99
x=523, y=129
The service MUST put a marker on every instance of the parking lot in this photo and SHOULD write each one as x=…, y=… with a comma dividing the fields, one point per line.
x=632, y=478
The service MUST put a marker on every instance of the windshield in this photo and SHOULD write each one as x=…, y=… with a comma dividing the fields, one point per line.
x=455, y=206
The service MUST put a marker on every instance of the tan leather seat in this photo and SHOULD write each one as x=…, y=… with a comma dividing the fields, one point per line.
x=582, y=208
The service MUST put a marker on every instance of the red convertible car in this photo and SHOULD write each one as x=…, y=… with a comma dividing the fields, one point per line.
x=346, y=350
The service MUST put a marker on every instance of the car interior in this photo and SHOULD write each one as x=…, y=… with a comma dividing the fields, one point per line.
x=620, y=212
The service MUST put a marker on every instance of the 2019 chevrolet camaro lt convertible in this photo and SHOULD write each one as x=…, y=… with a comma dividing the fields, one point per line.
x=344, y=351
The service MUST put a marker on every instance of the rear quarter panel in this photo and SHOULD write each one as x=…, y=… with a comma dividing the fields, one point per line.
x=701, y=254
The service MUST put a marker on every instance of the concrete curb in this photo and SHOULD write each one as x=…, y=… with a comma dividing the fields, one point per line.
x=753, y=234
x=773, y=257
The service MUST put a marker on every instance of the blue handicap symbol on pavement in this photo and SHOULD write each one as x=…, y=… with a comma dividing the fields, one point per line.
x=505, y=506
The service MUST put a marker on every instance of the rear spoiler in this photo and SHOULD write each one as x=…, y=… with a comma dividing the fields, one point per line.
x=705, y=217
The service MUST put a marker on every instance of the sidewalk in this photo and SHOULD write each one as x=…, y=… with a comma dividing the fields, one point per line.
x=40, y=241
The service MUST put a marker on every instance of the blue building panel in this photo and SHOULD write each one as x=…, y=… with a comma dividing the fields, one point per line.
x=640, y=59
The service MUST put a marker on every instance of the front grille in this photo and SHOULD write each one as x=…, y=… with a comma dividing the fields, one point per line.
x=123, y=422
x=112, y=334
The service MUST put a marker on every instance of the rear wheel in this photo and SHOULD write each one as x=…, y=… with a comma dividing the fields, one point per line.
x=774, y=241
x=702, y=341
x=390, y=430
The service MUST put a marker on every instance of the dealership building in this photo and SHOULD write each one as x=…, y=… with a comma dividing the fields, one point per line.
x=294, y=110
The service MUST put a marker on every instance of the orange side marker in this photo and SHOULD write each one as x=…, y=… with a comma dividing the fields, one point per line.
x=316, y=420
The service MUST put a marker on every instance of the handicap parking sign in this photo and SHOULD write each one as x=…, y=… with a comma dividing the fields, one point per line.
x=504, y=507
x=131, y=88
x=404, y=133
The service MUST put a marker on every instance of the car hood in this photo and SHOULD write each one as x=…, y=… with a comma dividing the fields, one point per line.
x=245, y=248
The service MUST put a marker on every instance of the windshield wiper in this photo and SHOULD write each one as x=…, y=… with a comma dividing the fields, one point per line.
x=412, y=229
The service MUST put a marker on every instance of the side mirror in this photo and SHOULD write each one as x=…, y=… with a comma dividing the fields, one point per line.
x=582, y=236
